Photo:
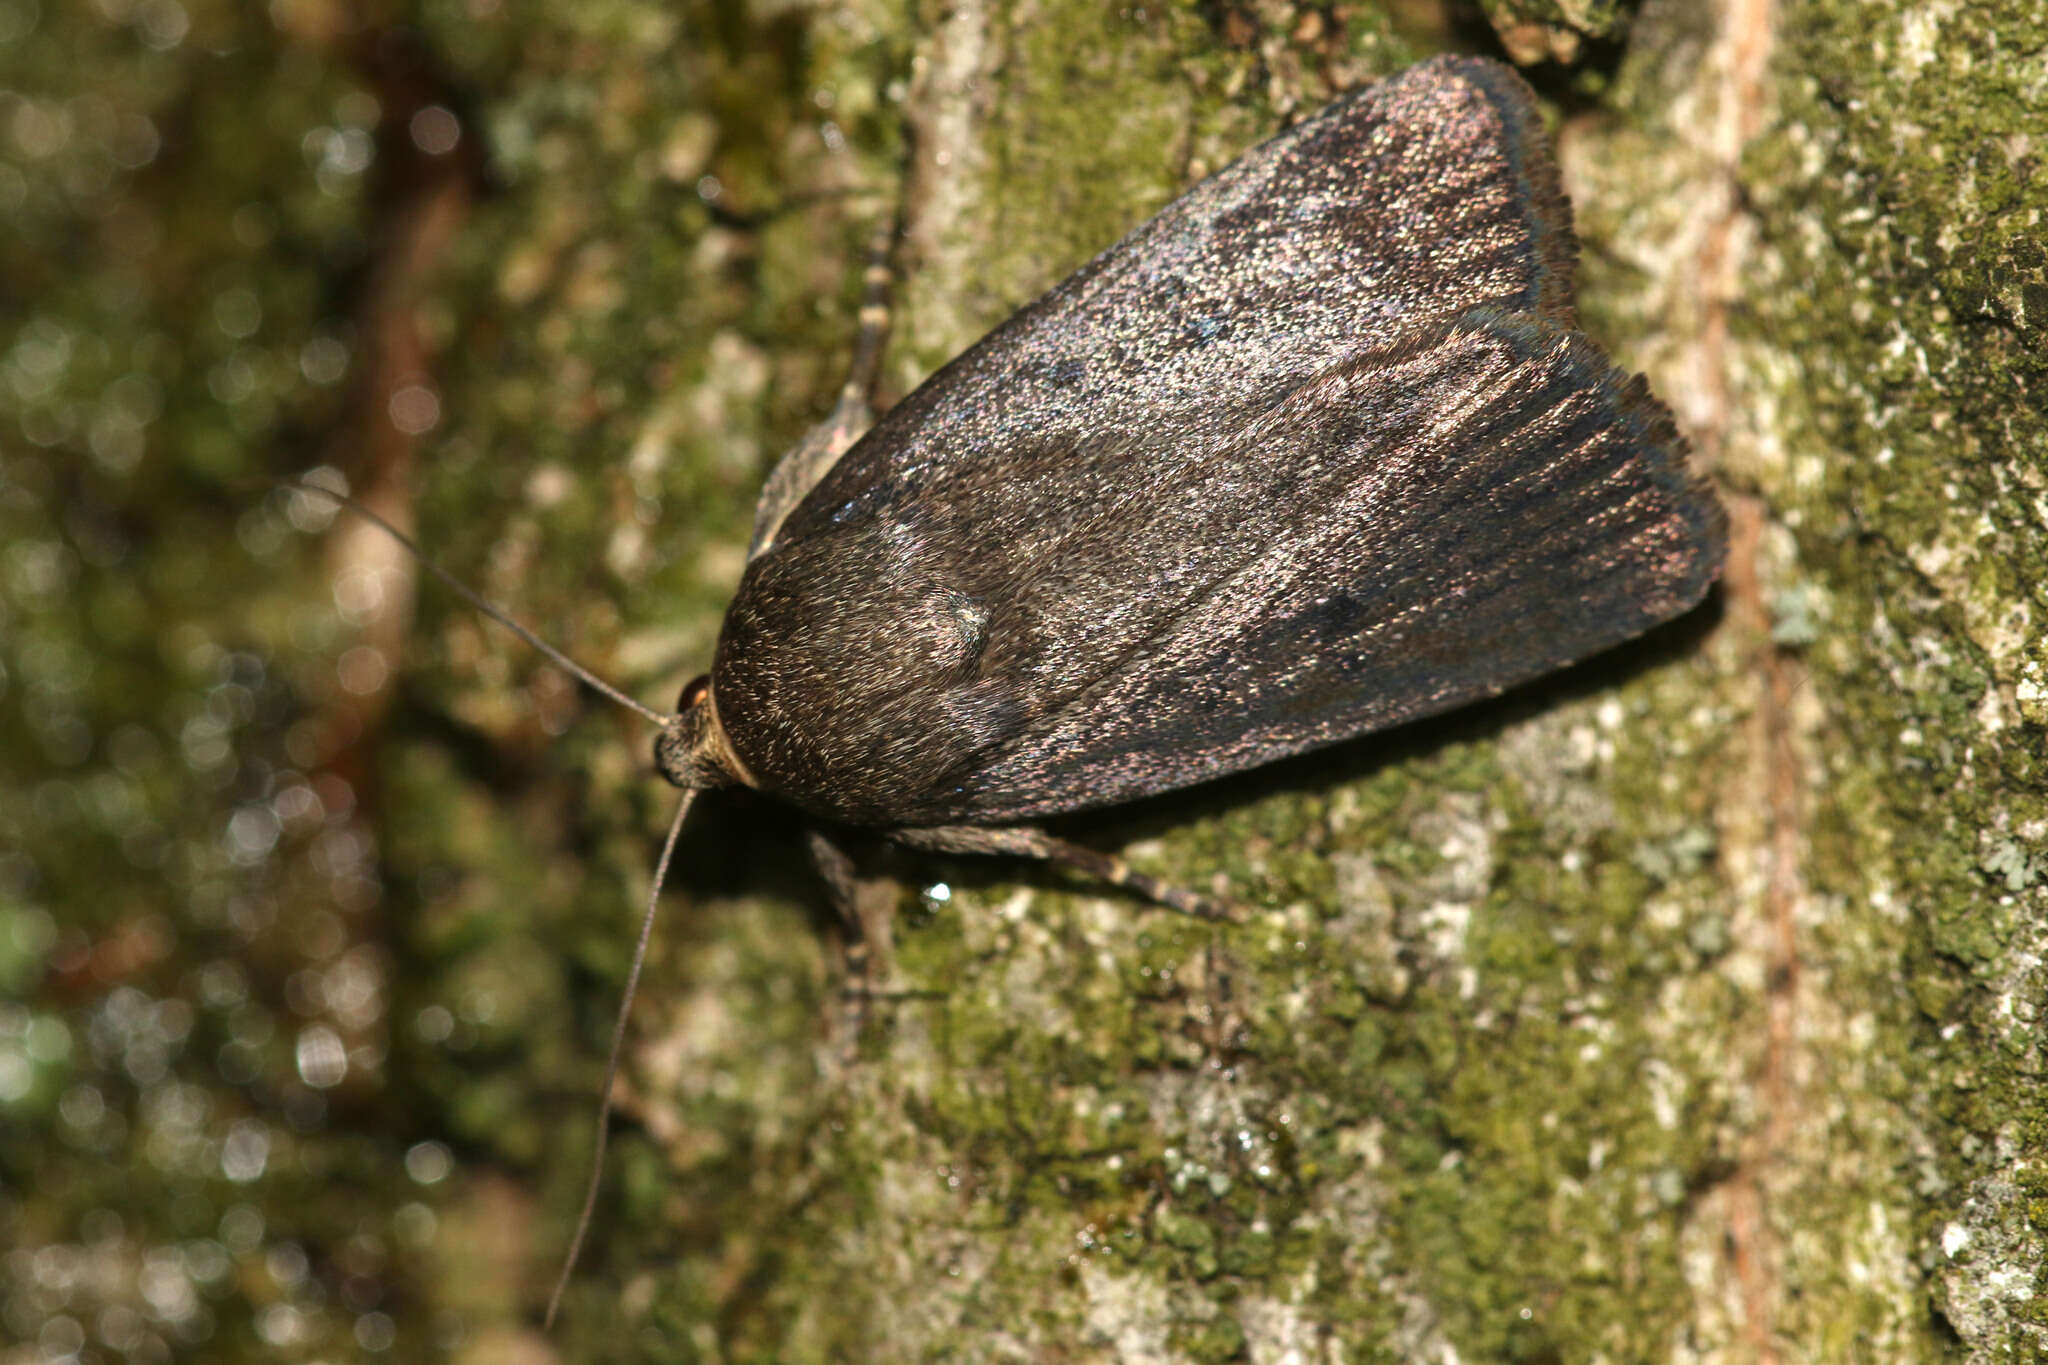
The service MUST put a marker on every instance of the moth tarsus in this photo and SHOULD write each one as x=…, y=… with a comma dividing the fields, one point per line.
x=1024, y=841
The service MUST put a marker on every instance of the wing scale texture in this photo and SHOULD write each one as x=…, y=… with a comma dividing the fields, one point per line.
x=1278, y=469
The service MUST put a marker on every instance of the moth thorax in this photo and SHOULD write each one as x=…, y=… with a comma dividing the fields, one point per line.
x=692, y=751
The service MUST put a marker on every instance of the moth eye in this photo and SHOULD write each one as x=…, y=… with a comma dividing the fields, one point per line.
x=694, y=691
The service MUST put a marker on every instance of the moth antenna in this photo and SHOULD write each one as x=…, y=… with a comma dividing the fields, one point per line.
x=611, y=1064
x=480, y=602
x=661, y=864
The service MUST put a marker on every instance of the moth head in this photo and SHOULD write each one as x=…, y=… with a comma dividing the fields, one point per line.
x=692, y=751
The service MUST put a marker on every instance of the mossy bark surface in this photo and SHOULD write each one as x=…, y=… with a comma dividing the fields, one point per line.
x=1684, y=1006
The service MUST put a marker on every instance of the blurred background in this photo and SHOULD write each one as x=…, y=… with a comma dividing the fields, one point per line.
x=298, y=992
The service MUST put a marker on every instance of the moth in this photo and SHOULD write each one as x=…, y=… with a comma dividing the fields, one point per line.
x=1315, y=451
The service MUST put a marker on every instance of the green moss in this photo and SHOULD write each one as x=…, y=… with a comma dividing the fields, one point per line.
x=1915, y=344
x=1473, y=1071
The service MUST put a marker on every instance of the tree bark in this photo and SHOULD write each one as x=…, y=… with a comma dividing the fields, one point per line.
x=1683, y=1006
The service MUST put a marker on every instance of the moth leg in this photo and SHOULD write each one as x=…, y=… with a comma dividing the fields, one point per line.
x=1023, y=841
x=810, y=459
x=842, y=884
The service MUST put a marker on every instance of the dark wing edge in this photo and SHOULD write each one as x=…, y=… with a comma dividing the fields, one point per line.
x=1534, y=168
x=1510, y=574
